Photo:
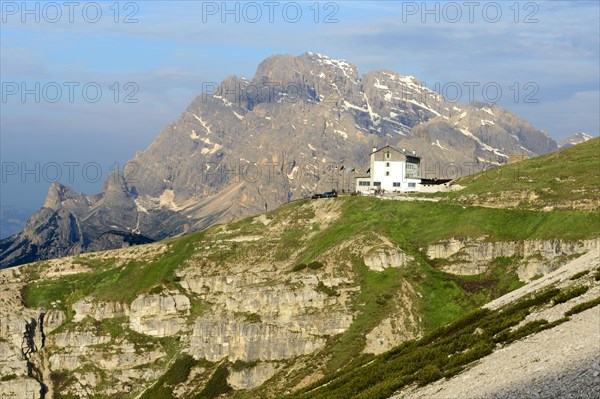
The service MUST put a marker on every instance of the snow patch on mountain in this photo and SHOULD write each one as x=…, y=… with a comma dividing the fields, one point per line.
x=204, y=124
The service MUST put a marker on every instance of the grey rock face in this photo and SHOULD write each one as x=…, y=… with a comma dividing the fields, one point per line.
x=262, y=142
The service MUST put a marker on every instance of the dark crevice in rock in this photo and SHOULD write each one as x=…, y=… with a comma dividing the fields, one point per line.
x=29, y=347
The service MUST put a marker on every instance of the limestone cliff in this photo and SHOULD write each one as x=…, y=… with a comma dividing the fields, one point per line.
x=265, y=305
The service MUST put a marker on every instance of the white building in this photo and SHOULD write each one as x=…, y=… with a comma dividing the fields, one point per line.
x=391, y=170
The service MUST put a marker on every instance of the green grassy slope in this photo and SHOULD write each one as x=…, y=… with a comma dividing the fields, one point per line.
x=293, y=239
x=567, y=179
x=412, y=226
x=441, y=298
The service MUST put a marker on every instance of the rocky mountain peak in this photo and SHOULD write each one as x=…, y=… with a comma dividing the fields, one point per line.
x=57, y=194
x=279, y=137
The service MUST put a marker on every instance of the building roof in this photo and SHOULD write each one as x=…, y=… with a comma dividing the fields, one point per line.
x=403, y=151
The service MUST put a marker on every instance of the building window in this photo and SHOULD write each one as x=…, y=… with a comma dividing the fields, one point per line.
x=387, y=164
x=412, y=185
x=387, y=155
x=396, y=184
x=377, y=183
x=412, y=170
x=363, y=183
x=387, y=173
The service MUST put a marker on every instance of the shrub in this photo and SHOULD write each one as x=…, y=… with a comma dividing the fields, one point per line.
x=597, y=275
x=453, y=371
x=579, y=275
x=428, y=374
x=156, y=290
x=466, y=321
x=527, y=329
x=315, y=265
x=253, y=318
x=504, y=321
x=298, y=267
x=217, y=384
x=583, y=306
x=60, y=380
x=532, y=327
x=555, y=323
x=570, y=293
x=178, y=373
x=475, y=353
x=326, y=290
x=535, y=300
x=240, y=365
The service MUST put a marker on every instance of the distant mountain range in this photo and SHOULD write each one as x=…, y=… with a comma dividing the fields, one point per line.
x=255, y=144
x=575, y=139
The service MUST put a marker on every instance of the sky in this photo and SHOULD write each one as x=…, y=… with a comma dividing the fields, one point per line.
x=84, y=85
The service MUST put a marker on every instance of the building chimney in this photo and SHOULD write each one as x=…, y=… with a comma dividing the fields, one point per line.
x=414, y=153
x=374, y=149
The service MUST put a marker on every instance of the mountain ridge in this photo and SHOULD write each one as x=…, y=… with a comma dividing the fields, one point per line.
x=280, y=136
x=327, y=298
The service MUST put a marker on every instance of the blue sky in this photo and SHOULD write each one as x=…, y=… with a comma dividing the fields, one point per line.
x=550, y=50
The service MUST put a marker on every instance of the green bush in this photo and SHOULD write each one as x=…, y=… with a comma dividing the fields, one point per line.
x=240, y=365
x=326, y=290
x=8, y=377
x=535, y=300
x=156, y=290
x=453, y=371
x=178, y=373
x=579, y=275
x=502, y=322
x=570, y=293
x=428, y=374
x=597, y=275
x=583, y=306
x=466, y=321
x=476, y=352
x=217, y=384
x=527, y=329
x=315, y=265
x=532, y=327
x=248, y=317
x=298, y=267
x=60, y=380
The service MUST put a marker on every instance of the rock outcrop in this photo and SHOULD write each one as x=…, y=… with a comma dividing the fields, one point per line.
x=534, y=257
x=159, y=315
x=251, y=377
